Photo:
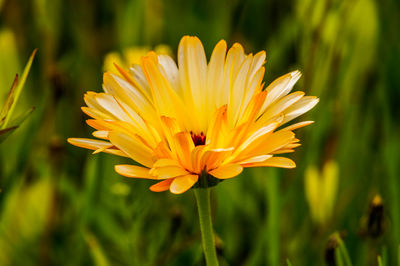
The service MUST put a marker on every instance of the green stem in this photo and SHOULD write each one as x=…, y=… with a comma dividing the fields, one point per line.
x=207, y=233
x=273, y=218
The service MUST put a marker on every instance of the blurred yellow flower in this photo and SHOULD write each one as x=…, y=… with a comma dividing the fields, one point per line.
x=120, y=189
x=131, y=56
x=196, y=123
x=321, y=189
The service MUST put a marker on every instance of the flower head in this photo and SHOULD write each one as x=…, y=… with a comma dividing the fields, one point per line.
x=193, y=121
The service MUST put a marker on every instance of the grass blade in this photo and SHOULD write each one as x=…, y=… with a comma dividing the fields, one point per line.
x=343, y=251
x=4, y=133
x=15, y=92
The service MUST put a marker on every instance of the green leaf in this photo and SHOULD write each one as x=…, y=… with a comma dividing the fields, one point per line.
x=342, y=255
x=96, y=250
x=21, y=118
x=14, y=124
x=4, y=133
x=15, y=93
x=380, y=262
x=9, y=101
x=398, y=254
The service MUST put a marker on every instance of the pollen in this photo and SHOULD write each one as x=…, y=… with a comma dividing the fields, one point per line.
x=198, y=139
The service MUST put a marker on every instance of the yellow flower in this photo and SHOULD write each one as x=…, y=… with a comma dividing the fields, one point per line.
x=321, y=189
x=195, y=123
x=131, y=56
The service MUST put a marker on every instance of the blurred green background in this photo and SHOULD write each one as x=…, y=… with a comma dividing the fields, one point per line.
x=60, y=205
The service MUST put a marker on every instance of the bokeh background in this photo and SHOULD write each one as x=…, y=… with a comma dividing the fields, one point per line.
x=61, y=205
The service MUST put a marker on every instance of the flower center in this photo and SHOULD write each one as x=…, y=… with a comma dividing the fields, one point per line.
x=198, y=139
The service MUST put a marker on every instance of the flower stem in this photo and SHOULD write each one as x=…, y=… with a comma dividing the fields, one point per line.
x=207, y=233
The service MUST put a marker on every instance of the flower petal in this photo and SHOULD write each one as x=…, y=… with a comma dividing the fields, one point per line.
x=268, y=144
x=131, y=146
x=282, y=104
x=171, y=71
x=166, y=100
x=273, y=162
x=196, y=155
x=257, y=159
x=168, y=171
x=234, y=59
x=215, y=73
x=183, y=183
x=227, y=171
x=101, y=134
x=298, y=125
x=94, y=144
x=302, y=106
x=213, y=158
x=258, y=135
x=193, y=76
x=280, y=87
x=217, y=129
x=133, y=171
x=161, y=186
x=238, y=91
x=183, y=146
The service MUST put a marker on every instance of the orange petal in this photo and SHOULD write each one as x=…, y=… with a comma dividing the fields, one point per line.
x=96, y=125
x=233, y=61
x=183, y=183
x=292, y=145
x=101, y=134
x=213, y=158
x=165, y=162
x=300, y=107
x=161, y=186
x=103, y=149
x=133, y=171
x=193, y=76
x=196, y=155
x=217, y=128
x=215, y=73
x=94, y=144
x=256, y=159
x=282, y=151
x=282, y=104
x=183, y=145
x=270, y=143
x=274, y=162
x=162, y=151
x=253, y=108
x=257, y=135
x=298, y=125
x=122, y=89
x=226, y=171
x=253, y=88
x=92, y=112
x=170, y=127
x=133, y=90
x=238, y=91
x=110, y=104
x=168, y=172
x=166, y=100
x=133, y=147
x=280, y=87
